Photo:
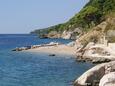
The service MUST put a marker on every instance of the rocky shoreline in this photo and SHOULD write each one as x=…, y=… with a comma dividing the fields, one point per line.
x=98, y=76
x=94, y=61
x=94, y=53
x=35, y=46
x=102, y=74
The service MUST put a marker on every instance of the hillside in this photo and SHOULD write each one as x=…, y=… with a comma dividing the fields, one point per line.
x=105, y=28
x=92, y=14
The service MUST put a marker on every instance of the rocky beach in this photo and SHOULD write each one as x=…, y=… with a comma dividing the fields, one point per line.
x=55, y=50
x=94, y=53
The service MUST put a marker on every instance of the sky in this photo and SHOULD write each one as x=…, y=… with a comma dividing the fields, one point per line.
x=24, y=16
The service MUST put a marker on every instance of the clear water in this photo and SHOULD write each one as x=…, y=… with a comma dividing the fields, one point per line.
x=33, y=69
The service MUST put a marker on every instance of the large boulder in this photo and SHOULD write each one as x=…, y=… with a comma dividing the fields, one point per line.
x=89, y=77
x=108, y=80
x=93, y=76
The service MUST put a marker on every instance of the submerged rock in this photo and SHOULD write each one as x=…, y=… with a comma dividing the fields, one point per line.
x=52, y=55
x=22, y=48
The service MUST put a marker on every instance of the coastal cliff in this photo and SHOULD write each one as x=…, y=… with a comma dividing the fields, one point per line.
x=98, y=46
x=66, y=34
x=92, y=14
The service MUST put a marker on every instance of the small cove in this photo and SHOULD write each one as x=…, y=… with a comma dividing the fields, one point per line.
x=36, y=69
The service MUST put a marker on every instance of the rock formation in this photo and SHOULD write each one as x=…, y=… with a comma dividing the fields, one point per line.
x=108, y=80
x=93, y=76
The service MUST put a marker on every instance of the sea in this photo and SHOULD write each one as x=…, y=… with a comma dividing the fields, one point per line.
x=36, y=69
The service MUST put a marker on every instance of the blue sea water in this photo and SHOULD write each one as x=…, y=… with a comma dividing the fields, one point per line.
x=35, y=69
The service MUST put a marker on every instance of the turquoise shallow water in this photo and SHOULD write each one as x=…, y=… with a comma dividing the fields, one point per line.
x=35, y=69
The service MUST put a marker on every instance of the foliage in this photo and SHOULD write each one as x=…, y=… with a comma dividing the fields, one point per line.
x=92, y=14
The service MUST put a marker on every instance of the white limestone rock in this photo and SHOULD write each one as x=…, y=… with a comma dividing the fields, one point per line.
x=108, y=80
x=95, y=74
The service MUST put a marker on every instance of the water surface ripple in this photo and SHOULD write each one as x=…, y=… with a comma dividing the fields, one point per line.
x=35, y=69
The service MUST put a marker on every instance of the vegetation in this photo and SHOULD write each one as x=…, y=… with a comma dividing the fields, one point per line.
x=94, y=12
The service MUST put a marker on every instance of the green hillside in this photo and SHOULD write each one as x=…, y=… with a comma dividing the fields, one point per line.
x=93, y=13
